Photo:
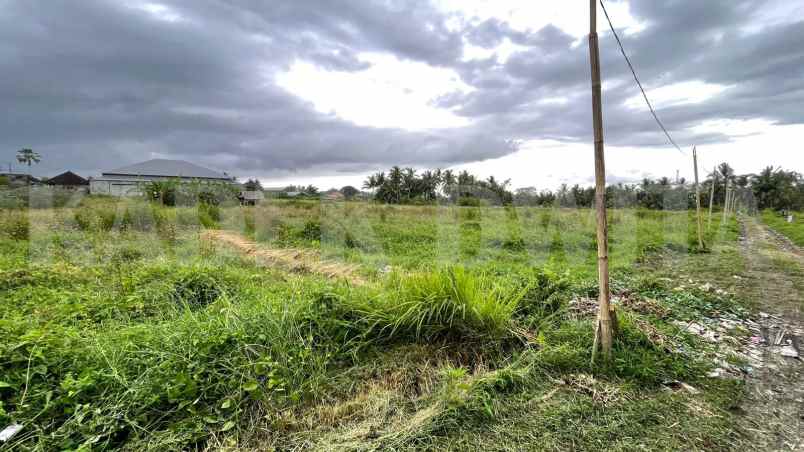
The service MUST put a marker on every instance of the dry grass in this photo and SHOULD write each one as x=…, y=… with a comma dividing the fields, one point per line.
x=291, y=259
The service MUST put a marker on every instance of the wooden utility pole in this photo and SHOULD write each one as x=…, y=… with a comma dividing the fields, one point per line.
x=606, y=320
x=726, y=199
x=699, y=220
x=712, y=196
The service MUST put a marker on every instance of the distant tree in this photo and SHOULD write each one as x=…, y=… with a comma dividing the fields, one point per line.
x=407, y=186
x=775, y=188
x=252, y=185
x=310, y=190
x=448, y=182
x=349, y=192
x=725, y=170
x=28, y=157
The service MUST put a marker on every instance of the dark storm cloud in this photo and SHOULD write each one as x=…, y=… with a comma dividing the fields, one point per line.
x=708, y=41
x=99, y=83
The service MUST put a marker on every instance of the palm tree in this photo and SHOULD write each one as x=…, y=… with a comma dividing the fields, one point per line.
x=28, y=156
x=448, y=181
x=395, y=182
x=725, y=170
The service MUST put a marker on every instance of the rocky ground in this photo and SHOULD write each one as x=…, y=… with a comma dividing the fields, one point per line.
x=775, y=405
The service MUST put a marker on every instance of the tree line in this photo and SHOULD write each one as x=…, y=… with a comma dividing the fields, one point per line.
x=771, y=188
x=408, y=186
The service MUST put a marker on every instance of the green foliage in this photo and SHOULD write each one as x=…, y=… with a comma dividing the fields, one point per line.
x=794, y=230
x=134, y=334
x=405, y=186
x=15, y=224
x=451, y=302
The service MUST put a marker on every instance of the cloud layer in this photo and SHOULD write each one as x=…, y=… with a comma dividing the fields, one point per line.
x=100, y=83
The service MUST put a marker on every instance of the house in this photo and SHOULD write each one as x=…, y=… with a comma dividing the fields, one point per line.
x=128, y=180
x=68, y=180
x=19, y=179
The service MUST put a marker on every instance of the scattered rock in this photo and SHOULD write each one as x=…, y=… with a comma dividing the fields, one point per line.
x=676, y=385
x=9, y=432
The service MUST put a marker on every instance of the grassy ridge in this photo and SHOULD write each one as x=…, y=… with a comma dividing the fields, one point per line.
x=794, y=231
x=143, y=337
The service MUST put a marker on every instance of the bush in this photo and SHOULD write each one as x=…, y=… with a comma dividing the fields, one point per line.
x=209, y=215
x=469, y=201
x=16, y=226
x=83, y=219
x=139, y=217
x=312, y=230
x=197, y=288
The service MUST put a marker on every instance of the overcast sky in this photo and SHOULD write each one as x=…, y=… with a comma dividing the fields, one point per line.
x=326, y=91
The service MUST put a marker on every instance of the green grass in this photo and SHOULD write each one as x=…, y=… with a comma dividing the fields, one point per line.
x=794, y=231
x=140, y=336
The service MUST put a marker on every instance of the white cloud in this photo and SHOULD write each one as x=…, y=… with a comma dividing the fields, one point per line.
x=692, y=92
x=391, y=93
x=570, y=16
x=159, y=11
x=548, y=164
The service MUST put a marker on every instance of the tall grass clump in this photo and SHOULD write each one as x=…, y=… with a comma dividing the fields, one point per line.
x=448, y=302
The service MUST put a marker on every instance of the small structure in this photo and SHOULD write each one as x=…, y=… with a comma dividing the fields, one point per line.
x=68, y=180
x=128, y=180
x=251, y=197
x=333, y=195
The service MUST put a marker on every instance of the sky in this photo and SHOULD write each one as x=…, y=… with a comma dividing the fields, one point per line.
x=328, y=91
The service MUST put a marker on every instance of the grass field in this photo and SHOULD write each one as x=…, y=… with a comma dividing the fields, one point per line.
x=794, y=231
x=469, y=328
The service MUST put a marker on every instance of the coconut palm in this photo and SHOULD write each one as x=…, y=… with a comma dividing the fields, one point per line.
x=28, y=157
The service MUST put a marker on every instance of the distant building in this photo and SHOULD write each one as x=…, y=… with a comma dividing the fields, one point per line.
x=128, y=180
x=68, y=180
x=333, y=195
x=19, y=179
x=251, y=197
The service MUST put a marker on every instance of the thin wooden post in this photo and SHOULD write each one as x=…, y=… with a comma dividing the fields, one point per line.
x=606, y=321
x=699, y=220
x=726, y=200
x=712, y=196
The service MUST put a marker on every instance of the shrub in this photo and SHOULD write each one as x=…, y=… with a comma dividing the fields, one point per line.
x=83, y=219
x=138, y=217
x=197, y=288
x=106, y=219
x=469, y=201
x=16, y=226
x=209, y=215
x=312, y=230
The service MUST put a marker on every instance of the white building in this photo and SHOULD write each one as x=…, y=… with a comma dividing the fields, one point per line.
x=128, y=180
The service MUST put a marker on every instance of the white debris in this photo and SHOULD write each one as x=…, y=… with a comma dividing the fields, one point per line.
x=9, y=432
x=789, y=351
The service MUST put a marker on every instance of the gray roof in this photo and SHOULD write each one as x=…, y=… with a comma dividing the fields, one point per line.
x=167, y=168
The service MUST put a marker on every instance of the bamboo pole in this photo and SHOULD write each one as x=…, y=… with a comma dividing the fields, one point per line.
x=726, y=200
x=699, y=220
x=712, y=196
x=604, y=332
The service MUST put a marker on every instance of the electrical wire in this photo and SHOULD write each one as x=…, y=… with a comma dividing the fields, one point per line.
x=639, y=84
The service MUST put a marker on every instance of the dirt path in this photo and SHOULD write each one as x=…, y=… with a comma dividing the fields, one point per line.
x=291, y=259
x=774, y=276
